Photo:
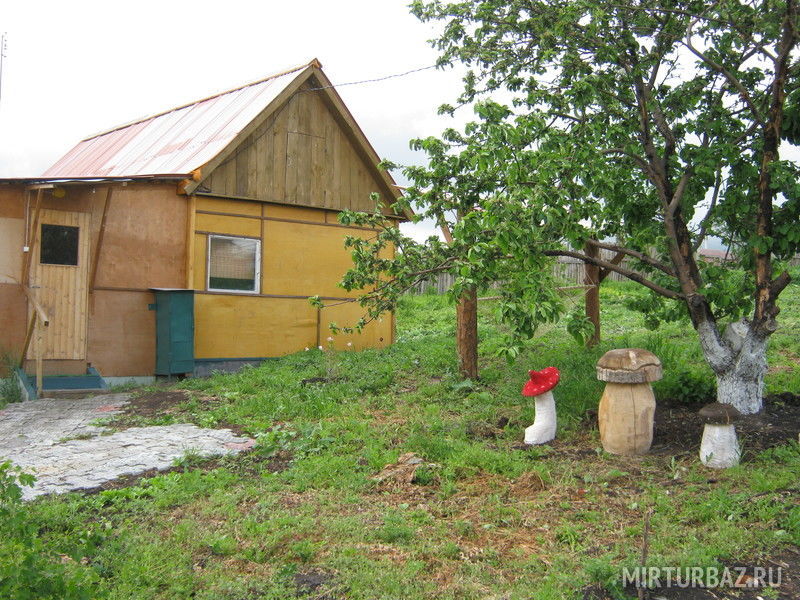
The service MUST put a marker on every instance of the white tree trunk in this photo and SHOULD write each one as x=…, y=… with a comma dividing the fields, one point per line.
x=739, y=360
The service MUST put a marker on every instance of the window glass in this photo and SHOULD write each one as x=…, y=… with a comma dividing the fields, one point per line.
x=59, y=245
x=233, y=264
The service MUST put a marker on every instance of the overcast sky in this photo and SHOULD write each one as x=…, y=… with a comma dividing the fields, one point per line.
x=76, y=68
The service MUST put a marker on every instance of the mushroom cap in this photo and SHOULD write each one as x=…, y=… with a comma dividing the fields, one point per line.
x=541, y=381
x=718, y=413
x=629, y=365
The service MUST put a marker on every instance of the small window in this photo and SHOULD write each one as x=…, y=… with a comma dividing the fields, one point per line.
x=59, y=245
x=233, y=264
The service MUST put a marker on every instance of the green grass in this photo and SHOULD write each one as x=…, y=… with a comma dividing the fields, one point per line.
x=482, y=520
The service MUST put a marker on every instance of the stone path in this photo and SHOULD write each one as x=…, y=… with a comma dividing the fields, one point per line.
x=57, y=442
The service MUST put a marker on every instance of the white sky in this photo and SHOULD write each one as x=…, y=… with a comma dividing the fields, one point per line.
x=76, y=68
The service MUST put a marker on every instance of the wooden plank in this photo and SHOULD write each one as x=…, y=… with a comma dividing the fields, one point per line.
x=28, y=335
x=39, y=369
x=99, y=244
x=279, y=161
x=293, y=143
x=31, y=238
x=37, y=308
x=191, y=212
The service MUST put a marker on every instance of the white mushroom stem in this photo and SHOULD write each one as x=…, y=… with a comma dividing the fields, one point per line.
x=543, y=429
x=719, y=448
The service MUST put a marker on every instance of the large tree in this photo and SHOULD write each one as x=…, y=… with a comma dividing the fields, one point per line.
x=646, y=125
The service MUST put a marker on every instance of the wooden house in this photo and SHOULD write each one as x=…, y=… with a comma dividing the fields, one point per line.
x=191, y=240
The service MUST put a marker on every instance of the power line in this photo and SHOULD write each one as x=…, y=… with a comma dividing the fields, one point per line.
x=384, y=78
x=3, y=49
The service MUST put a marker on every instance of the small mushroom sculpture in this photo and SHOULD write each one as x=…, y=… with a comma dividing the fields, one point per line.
x=719, y=448
x=539, y=386
x=628, y=405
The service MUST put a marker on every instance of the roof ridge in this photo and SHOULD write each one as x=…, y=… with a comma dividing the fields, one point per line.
x=312, y=63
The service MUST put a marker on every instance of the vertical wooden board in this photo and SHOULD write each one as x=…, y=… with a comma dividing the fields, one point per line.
x=263, y=327
x=292, y=123
x=242, y=168
x=122, y=334
x=277, y=184
x=316, y=175
x=200, y=260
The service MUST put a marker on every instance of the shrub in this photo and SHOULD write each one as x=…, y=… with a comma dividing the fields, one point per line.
x=687, y=387
x=28, y=570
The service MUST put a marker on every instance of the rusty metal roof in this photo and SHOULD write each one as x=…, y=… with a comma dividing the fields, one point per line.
x=175, y=142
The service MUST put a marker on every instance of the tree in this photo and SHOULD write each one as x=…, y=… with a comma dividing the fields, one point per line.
x=646, y=125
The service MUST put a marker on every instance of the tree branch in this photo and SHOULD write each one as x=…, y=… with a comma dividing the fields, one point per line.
x=732, y=79
x=632, y=275
x=636, y=254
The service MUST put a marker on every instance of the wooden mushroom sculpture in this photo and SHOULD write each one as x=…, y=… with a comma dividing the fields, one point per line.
x=628, y=405
x=719, y=448
x=539, y=386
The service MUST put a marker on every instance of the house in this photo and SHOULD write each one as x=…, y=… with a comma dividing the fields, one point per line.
x=190, y=241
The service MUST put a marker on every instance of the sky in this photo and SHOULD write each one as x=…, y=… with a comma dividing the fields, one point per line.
x=76, y=68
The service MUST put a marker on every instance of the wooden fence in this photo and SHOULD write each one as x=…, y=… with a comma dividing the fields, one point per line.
x=568, y=271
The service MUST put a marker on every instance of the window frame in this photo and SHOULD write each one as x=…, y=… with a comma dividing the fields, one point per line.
x=77, y=245
x=257, y=290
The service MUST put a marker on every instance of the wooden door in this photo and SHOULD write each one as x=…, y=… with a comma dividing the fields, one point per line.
x=59, y=279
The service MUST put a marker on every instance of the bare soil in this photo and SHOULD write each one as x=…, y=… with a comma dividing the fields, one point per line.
x=678, y=431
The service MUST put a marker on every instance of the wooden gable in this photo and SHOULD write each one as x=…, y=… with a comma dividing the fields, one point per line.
x=306, y=151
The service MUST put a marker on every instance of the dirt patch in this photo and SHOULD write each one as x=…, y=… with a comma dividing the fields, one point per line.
x=156, y=403
x=312, y=582
x=678, y=430
x=779, y=575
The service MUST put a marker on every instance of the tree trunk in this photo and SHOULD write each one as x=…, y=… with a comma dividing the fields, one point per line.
x=592, y=299
x=467, y=334
x=739, y=361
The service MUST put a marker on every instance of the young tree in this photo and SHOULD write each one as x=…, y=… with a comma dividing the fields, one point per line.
x=649, y=125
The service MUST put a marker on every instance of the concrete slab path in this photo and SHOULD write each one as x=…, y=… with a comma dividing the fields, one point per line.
x=57, y=441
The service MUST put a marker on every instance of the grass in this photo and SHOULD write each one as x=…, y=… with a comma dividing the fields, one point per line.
x=482, y=520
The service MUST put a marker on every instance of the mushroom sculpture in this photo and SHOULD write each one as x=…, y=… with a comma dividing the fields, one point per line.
x=628, y=405
x=719, y=448
x=539, y=386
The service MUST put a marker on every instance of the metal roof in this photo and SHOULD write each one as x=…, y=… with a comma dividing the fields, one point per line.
x=175, y=142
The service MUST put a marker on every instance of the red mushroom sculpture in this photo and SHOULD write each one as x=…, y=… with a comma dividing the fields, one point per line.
x=539, y=386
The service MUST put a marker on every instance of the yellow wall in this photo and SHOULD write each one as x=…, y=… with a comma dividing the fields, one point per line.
x=298, y=260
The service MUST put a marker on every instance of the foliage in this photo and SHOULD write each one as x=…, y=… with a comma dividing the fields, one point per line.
x=9, y=389
x=27, y=569
x=636, y=128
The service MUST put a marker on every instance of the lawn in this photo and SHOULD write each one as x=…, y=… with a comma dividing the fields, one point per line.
x=483, y=517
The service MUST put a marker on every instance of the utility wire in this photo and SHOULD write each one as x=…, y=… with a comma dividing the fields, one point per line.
x=338, y=85
x=3, y=48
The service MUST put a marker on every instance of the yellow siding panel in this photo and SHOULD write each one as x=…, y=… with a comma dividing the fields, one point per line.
x=229, y=326
x=307, y=260
x=200, y=261
x=298, y=213
x=377, y=334
x=228, y=225
x=236, y=207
